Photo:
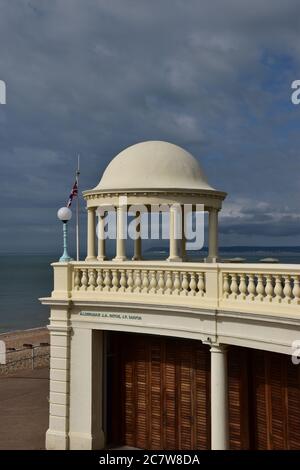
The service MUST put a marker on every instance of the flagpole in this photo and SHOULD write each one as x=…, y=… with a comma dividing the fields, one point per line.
x=77, y=210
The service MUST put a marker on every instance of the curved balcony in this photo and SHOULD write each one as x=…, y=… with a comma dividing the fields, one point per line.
x=244, y=287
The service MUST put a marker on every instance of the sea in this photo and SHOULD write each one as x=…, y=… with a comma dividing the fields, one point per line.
x=27, y=277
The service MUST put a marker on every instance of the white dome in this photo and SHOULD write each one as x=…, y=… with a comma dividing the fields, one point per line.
x=153, y=165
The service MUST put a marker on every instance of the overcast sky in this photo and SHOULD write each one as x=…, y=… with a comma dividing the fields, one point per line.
x=93, y=77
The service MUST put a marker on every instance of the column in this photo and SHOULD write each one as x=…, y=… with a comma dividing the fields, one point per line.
x=86, y=390
x=173, y=238
x=137, y=255
x=219, y=398
x=101, y=238
x=121, y=234
x=91, y=234
x=183, y=239
x=213, y=236
x=57, y=434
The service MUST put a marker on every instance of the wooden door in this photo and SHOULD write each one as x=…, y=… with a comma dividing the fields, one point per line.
x=160, y=392
x=276, y=401
x=264, y=400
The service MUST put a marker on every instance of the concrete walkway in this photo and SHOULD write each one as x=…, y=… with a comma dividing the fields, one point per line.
x=24, y=409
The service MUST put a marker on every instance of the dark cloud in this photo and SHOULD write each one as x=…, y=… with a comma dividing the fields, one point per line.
x=95, y=76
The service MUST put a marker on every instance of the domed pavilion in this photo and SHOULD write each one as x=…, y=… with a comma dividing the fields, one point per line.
x=150, y=174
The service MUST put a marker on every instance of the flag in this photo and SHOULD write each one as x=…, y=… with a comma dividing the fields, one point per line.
x=74, y=193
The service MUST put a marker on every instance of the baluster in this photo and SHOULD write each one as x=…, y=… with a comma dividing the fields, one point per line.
x=269, y=287
x=145, y=281
x=84, y=279
x=251, y=287
x=278, y=290
x=99, y=279
x=260, y=289
x=287, y=290
x=177, y=283
x=77, y=279
x=161, y=282
x=169, y=283
x=201, y=284
x=226, y=287
x=234, y=287
x=193, y=284
x=130, y=281
x=243, y=286
x=122, y=280
x=115, y=280
x=107, y=280
x=153, y=282
x=137, y=281
x=296, y=289
x=184, y=284
x=92, y=279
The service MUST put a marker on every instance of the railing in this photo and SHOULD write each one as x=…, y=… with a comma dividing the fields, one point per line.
x=223, y=286
x=28, y=356
x=153, y=280
x=275, y=286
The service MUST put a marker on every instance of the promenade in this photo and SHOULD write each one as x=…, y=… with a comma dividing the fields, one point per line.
x=24, y=409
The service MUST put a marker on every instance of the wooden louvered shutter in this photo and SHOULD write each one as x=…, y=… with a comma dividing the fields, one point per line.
x=293, y=404
x=238, y=398
x=169, y=411
x=276, y=378
x=141, y=392
x=161, y=392
x=155, y=385
x=193, y=396
x=202, y=397
x=276, y=407
x=184, y=386
x=260, y=416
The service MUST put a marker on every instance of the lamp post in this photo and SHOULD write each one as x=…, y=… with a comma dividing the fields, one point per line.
x=65, y=214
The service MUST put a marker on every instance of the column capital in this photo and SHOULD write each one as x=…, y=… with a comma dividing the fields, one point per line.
x=218, y=348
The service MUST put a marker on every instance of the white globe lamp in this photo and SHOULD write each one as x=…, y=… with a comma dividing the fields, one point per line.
x=65, y=214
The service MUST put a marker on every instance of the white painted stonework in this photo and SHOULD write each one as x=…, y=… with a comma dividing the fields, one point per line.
x=251, y=305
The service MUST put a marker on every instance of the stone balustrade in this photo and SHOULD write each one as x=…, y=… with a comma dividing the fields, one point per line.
x=137, y=278
x=275, y=287
x=221, y=286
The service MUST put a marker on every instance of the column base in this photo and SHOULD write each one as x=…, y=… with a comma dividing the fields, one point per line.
x=119, y=258
x=91, y=259
x=56, y=440
x=136, y=258
x=212, y=259
x=82, y=441
x=174, y=258
x=101, y=258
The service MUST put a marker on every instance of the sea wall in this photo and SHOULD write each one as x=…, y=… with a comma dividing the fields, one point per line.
x=28, y=349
